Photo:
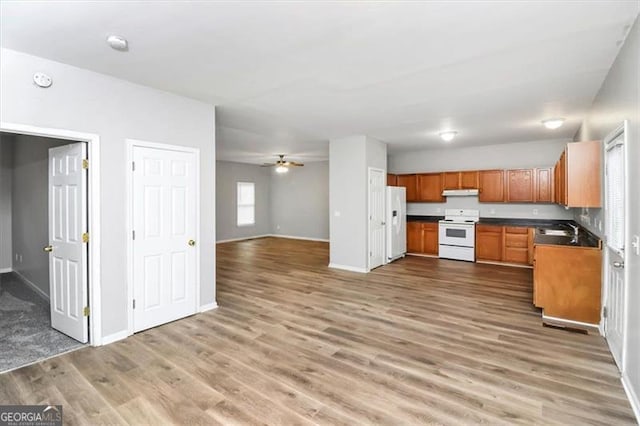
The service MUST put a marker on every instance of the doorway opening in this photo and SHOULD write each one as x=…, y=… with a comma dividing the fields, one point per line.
x=49, y=237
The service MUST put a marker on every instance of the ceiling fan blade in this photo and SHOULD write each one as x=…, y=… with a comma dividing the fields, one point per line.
x=268, y=165
x=293, y=163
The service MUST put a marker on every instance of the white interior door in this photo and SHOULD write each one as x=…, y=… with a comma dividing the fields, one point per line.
x=165, y=201
x=377, y=185
x=67, y=252
x=615, y=206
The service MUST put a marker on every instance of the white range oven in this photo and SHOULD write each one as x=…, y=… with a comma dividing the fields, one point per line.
x=457, y=235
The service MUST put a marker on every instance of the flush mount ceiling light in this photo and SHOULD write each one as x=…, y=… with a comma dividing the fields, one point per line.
x=282, y=169
x=553, y=123
x=118, y=43
x=448, y=135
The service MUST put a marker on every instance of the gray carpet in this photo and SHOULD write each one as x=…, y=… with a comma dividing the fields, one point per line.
x=26, y=335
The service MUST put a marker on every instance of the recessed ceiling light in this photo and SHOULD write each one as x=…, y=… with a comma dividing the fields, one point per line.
x=118, y=43
x=448, y=135
x=553, y=123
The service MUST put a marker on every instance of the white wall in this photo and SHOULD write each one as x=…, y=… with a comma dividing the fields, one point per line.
x=504, y=156
x=30, y=207
x=228, y=174
x=300, y=201
x=86, y=101
x=6, y=171
x=617, y=100
x=349, y=160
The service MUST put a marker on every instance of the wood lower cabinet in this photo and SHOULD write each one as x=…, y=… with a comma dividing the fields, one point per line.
x=392, y=180
x=516, y=245
x=422, y=238
x=567, y=282
x=430, y=187
x=491, y=186
x=520, y=186
x=410, y=182
x=489, y=242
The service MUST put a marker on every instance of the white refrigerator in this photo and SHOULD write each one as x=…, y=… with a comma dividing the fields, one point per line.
x=396, y=221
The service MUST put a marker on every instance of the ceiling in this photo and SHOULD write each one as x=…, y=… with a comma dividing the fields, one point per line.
x=289, y=76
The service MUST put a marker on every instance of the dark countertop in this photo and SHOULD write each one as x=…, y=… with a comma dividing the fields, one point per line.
x=585, y=238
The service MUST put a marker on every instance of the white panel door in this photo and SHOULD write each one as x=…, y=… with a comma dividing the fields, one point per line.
x=615, y=212
x=377, y=185
x=67, y=252
x=164, y=225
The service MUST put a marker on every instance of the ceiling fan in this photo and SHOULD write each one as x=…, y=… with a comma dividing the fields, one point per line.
x=281, y=165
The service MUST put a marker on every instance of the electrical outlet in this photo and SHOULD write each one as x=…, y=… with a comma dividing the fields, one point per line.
x=278, y=227
x=535, y=212
x=438, y=210
x=492, y=211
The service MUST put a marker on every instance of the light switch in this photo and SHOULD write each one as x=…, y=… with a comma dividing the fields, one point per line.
x=336, y=213
x=635, y=243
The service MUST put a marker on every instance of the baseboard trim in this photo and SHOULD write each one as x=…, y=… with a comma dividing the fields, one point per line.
x=208, y=307
x=348, y=268
x=253, y=237
x=5, y=270
x=633, y=397
x=32, y=285
x=293, y=237
x=121, y=335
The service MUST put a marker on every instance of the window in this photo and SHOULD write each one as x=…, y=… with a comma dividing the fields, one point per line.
x=246, y=203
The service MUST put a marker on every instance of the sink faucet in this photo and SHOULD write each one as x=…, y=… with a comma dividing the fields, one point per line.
x=575, y=229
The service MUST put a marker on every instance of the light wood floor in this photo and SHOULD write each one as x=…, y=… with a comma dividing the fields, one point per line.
x=293, y=342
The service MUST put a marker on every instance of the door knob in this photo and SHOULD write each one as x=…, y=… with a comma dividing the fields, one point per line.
x=48, y=249
x=618, y=264
x=192, y=243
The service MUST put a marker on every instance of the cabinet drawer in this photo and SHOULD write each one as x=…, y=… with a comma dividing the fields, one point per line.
x=516, y=240
x=489, y=228
x=516, y=255
x=515, y=230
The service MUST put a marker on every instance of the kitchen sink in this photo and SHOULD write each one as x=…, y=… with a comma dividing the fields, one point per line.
x=556, y=232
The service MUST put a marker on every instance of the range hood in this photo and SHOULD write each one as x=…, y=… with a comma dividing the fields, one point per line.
x=460, y=192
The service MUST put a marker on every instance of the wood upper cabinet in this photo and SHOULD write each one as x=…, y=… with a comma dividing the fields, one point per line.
x=460, y=180
x=410, y=182
x=392, y=180
x=414, y=237
x=567, y=282
x=582, y=174
x=422, y=237
x=430, y=187
x=520, y=187
x=469, y=180
x=489, y=242
x=544, y=189
x=491, y=186
x=451, y=180
x=560, y=179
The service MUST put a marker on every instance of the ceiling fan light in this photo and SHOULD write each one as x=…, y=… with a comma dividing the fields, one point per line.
x=448, y=135
x=553, y=123
x=281, y=169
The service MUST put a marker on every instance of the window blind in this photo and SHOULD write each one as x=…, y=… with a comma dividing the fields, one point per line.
x=615, y=201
